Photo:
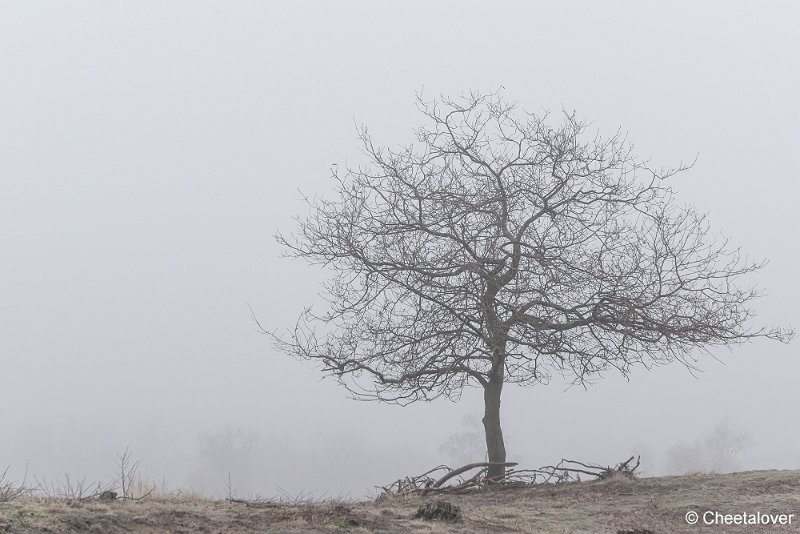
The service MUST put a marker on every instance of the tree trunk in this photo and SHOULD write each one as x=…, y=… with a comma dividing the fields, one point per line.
x=491, y=423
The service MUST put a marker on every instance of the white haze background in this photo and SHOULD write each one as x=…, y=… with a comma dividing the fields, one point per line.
x=149, y=151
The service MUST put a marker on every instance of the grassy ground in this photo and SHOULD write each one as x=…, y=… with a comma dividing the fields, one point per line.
x=657, y=505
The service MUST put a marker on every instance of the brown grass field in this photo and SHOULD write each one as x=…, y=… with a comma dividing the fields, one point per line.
x=648, y=505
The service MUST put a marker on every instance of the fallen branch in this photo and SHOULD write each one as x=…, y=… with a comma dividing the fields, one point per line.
x=468, y=467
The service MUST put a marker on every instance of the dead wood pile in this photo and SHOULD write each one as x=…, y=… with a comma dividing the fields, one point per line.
x=443, y=479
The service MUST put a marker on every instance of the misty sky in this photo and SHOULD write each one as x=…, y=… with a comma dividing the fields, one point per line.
x=150, y=150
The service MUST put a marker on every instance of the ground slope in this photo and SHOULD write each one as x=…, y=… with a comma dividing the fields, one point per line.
x=657, y=505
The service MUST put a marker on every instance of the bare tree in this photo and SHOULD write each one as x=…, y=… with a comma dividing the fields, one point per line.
x=499, y=248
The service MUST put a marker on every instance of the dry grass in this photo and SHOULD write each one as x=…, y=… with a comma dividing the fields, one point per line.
x=619, y=504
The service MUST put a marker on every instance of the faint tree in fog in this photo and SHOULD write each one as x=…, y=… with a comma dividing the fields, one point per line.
x=723, y=445
x=717, y=452
x=466, y=446
x=501, y=248
x=229, y=457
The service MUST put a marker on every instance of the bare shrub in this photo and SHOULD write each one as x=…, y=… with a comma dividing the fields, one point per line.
x=73, y=489
x=10, y=490
x=130, y=483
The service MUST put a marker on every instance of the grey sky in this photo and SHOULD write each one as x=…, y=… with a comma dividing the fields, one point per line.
x=149, y=150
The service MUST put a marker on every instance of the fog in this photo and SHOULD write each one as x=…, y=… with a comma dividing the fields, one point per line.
x=149, y=151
